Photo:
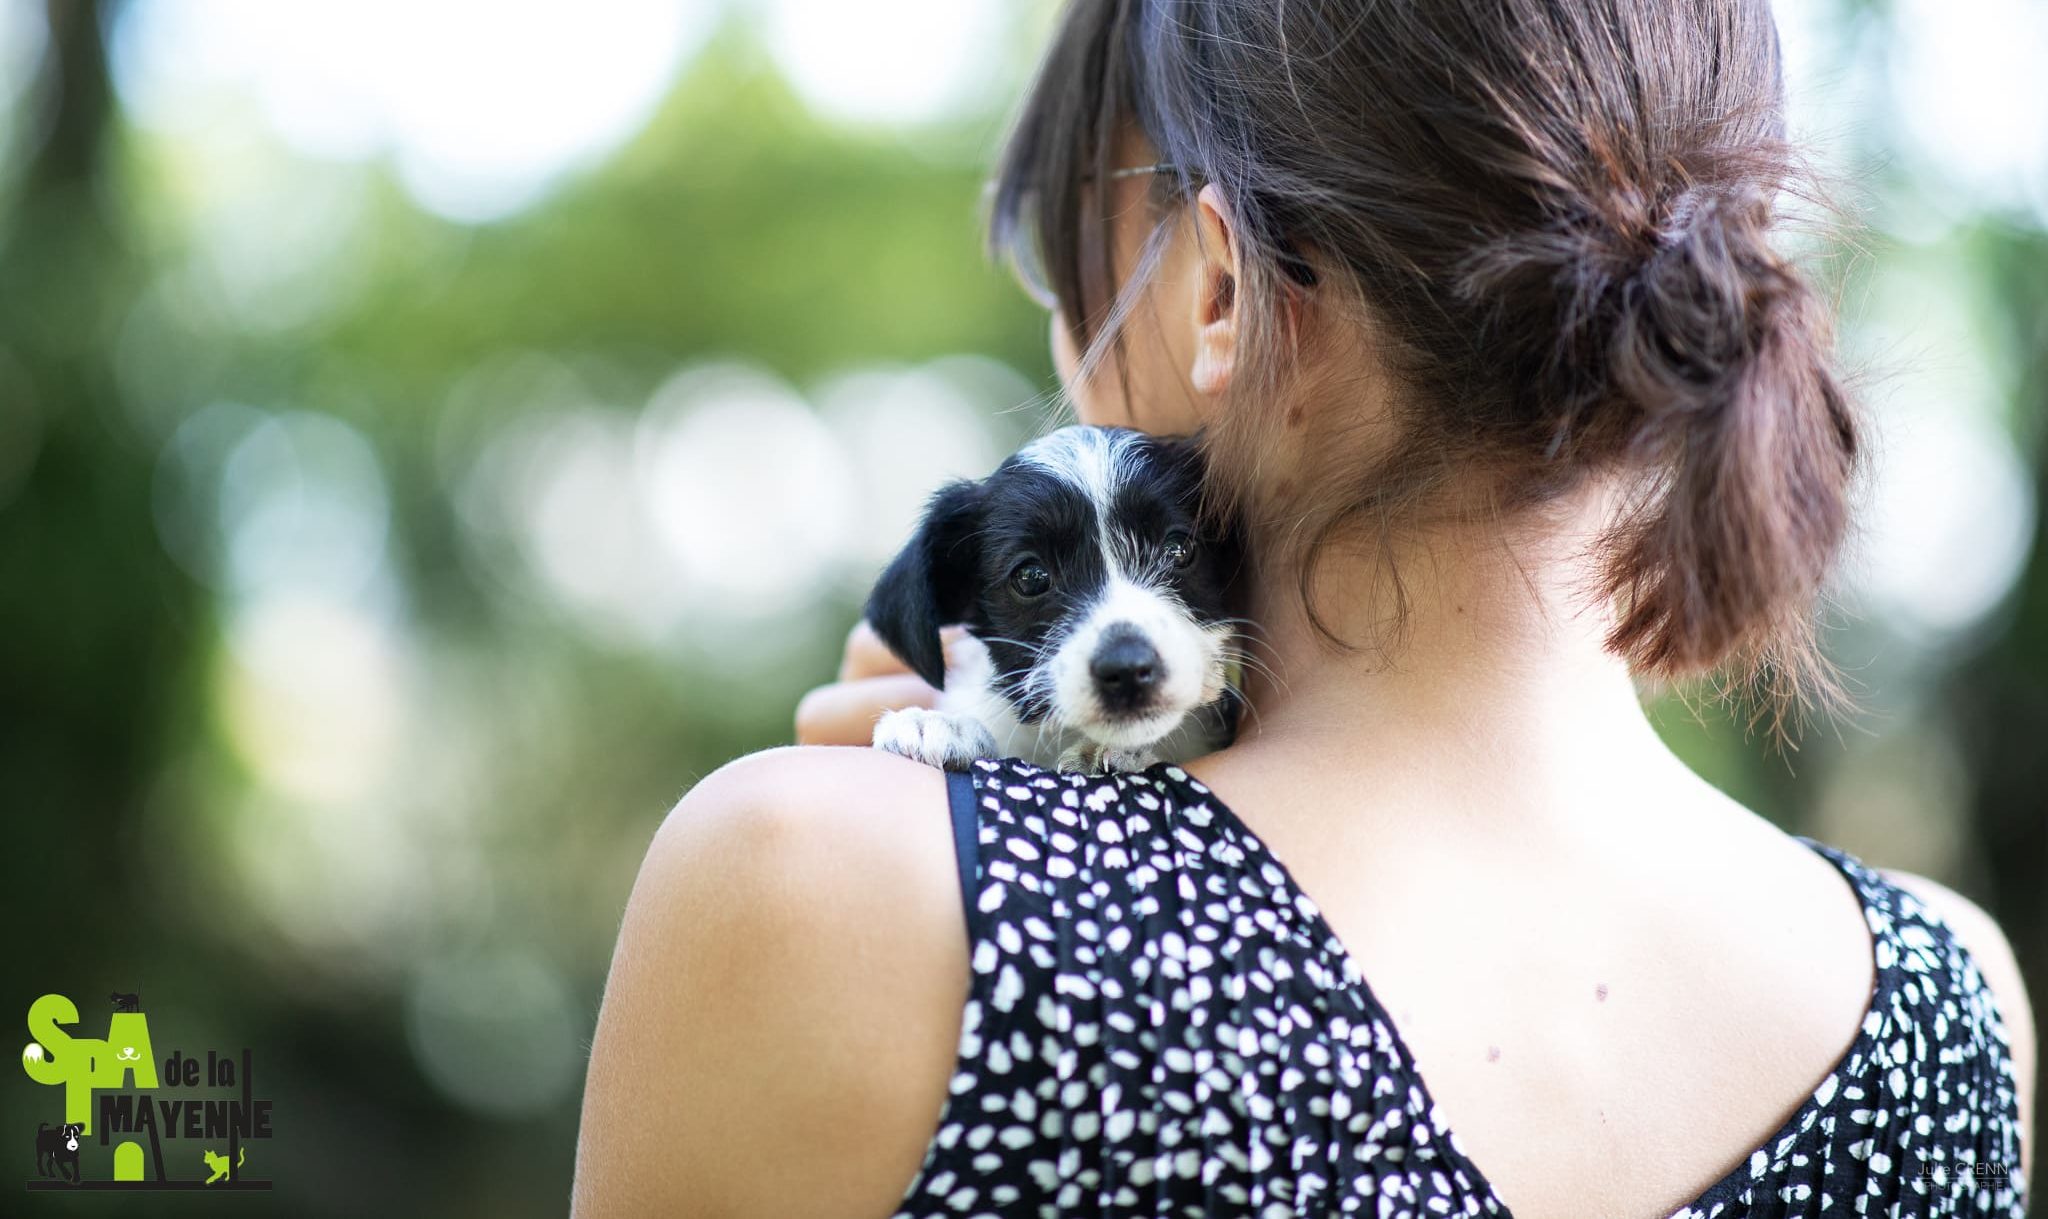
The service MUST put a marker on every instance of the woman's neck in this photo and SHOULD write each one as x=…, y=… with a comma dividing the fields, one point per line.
x=1498, y=676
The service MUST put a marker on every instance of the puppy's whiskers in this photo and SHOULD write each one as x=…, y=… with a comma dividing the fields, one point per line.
x=1036, y=649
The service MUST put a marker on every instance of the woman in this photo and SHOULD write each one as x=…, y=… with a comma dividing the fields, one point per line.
x=1474, y=306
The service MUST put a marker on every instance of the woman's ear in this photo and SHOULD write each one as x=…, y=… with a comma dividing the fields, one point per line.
x=1218, y=271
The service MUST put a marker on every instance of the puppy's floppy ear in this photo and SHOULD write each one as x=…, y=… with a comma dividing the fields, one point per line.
x=931, y=582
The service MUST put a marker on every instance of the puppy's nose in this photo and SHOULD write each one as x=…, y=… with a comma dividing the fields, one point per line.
x=1127, y=669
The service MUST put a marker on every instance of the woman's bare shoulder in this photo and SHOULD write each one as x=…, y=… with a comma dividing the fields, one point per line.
x=784, y=1005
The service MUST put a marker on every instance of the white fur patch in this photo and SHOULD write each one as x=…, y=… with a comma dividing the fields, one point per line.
x=971, y=693
x=935, y=738
x=1191, y=656
x=1089, y=459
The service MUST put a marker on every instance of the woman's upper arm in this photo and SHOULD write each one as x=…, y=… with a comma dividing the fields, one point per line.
x=1987, y=945
x=783, y=1011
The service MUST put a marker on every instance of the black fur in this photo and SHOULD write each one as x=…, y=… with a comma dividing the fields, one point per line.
x=57, y=1150
x=927, y=585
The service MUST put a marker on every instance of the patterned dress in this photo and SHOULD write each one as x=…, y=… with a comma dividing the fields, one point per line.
x=1161, y=1023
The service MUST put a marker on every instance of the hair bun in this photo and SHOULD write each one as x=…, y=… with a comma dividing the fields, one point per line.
x=1685, y=345
x=1707, y=289
x=1719, y=357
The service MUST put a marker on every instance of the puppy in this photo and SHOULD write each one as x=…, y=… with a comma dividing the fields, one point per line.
x=1096, y=601
x=57, y=1150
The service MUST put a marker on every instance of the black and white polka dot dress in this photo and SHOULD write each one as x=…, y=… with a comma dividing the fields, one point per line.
x=1162, y=1023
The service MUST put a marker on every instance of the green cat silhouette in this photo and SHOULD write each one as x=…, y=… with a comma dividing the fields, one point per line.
x=219, y=1164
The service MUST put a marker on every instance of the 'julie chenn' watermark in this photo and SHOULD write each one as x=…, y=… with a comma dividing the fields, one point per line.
x=1990, y=1170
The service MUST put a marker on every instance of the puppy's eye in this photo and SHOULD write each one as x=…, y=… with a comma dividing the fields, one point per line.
x=1180, y=549
x=1030, y=580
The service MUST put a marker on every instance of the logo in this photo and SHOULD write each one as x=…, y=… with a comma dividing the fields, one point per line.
x=132, y=1122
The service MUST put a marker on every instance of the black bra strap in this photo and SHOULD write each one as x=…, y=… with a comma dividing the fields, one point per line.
x=966, y=837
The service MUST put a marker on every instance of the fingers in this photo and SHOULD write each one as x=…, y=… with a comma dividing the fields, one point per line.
x=872, y=680
x=844, y=713
x=867, y=656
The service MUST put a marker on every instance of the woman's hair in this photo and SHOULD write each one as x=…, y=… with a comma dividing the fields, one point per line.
x=1556, y=215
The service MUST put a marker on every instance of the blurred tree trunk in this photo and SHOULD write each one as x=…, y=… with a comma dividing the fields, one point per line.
x=93, y=633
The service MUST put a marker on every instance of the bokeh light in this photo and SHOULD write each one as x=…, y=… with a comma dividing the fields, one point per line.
x=1949, y=510
x=497, y=1031
x=908, y=431
x=481, y=107
x=1971, y=99
x=890, y=61
x=720, y=435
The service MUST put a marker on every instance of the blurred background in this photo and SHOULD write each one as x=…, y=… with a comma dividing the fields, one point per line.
x=434, y=434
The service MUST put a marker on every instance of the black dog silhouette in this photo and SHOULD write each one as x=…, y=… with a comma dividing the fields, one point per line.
x=57, y=1149
x=126, y=1003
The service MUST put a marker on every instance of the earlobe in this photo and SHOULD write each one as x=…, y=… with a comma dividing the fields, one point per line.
x=1218, y=271
x=1215, y=357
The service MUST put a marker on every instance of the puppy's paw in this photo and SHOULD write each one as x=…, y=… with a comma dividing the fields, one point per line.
x=1125, y=761
x=1078, y=758
x=935, y=738
x=1093, y=759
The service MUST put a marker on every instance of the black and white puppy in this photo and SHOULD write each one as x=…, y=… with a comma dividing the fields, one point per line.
x=57, y=1150
x=1096, y=602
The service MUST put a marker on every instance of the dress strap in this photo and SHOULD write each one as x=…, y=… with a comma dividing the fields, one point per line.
x=966, y=837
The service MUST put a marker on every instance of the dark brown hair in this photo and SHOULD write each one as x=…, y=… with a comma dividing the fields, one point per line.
x=1557, y=215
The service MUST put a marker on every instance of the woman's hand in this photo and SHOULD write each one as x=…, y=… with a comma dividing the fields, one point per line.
x=871, y=681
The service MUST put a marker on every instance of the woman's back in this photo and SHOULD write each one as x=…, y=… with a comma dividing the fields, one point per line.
x=1163, y=1022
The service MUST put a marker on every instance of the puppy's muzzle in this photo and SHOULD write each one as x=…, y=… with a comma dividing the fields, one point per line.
x=1128, y=671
